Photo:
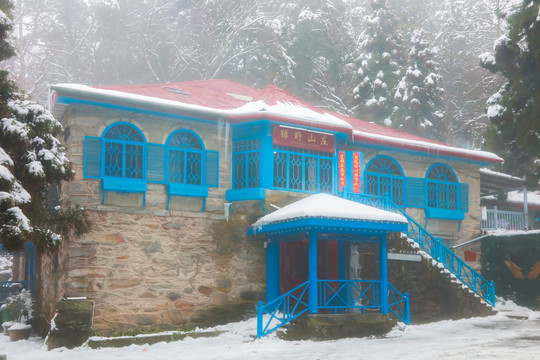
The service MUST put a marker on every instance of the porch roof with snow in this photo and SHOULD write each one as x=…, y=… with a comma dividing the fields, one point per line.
x=493, y=182
x=227, y=100
x=328, y=213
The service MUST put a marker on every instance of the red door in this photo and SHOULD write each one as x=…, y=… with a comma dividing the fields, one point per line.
x=295, y=263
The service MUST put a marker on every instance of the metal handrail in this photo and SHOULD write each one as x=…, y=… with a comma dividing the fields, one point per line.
x=398, y=304
x=435, y=248
x=502, y=219
x=282, y=310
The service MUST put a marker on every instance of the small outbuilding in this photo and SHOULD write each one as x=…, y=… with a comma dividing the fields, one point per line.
x=307, y=257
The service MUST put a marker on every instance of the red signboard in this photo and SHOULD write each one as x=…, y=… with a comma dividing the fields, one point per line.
x=356, y=172
x=303, y=139
x=342, y=170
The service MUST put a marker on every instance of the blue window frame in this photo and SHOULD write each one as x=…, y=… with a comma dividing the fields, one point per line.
x=124, y=149
x=247, y=164
x=190, y=168
x=125, y=162
x=442, y=188
x=384, y=177
x=302, y=170
x=185, y=158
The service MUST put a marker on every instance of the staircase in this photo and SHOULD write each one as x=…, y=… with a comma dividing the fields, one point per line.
x=434, y=247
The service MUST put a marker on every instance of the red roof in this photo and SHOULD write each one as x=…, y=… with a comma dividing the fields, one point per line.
x=218, y=94
x=239, y=102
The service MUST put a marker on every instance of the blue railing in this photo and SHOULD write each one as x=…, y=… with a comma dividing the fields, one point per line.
x=398, y=304
x=334, y=295
x=349, y=294
x=282, y=310
x=8, y=288
x=434, y=247
x=379, y=202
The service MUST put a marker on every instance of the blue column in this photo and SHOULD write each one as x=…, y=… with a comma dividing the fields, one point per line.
x=313, y=302
x=272, y=270
x=383, y=274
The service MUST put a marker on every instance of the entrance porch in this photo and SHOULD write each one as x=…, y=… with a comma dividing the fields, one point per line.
x=308, y=256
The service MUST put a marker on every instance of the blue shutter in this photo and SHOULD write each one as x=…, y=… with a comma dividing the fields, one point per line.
x=155, y=163
x=464, y=197
x=212, y=168
x=92, y=157
x=415, y=193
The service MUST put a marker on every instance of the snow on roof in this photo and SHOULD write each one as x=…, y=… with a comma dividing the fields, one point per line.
x=510, y=233
x=516, y=197
x=328, y=206
x=500, y=174
x=237, y=102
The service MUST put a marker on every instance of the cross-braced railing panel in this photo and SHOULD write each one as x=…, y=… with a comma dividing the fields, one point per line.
x=282, y=310
x=349, y=294
x=398, y=304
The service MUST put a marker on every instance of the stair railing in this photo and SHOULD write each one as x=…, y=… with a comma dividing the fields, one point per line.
x=435, y=248
x=282, y=310
x=398, y=303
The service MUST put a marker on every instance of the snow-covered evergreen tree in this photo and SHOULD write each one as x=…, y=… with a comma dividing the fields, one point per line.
x=31, y=160
x=378, y=66
x=419, y=95
x=514, y=111
x=315, y=47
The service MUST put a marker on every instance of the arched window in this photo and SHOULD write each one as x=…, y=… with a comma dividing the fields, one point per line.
x=442, y=188
x=123, y=152
x=384, y=177
x=185, y=158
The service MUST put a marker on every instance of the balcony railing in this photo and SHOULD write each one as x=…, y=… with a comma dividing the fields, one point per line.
x=495, y=219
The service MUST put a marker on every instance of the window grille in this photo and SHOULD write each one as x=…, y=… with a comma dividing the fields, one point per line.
x=247, y=164
x=185, y=158
x=302, y=170
x=384, y=177
x=442, y=188
x=123, y=146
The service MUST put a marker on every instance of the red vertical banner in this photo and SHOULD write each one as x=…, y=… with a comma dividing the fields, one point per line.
x=356, y=172
x=342, y=170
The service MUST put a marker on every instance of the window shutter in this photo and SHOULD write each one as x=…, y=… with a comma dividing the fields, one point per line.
x=92, y=157
x=415, y=192
x=464, y=197
x=155, y=163
x=212, y=168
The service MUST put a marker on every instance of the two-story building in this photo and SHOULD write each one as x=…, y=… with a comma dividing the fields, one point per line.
x=173, y=175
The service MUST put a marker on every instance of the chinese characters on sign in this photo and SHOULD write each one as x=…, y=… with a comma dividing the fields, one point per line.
x=356, y=172
x=303, y=139
x=342, y=170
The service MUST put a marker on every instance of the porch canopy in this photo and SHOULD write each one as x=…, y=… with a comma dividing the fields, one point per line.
x=329, y=213
x=325, y=214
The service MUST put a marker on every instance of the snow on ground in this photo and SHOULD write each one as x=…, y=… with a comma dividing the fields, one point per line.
x=494, y=337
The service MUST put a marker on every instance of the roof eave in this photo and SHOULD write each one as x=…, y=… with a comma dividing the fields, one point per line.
x=330, y=224
x=112, y=97
x=427, y=150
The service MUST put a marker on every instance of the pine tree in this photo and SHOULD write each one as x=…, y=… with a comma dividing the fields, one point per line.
x=378, y=66
x=419, y=95
x=514, y=111
x=31, y=160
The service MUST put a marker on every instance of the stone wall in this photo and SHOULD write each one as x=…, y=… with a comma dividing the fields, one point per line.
x=147, y=270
